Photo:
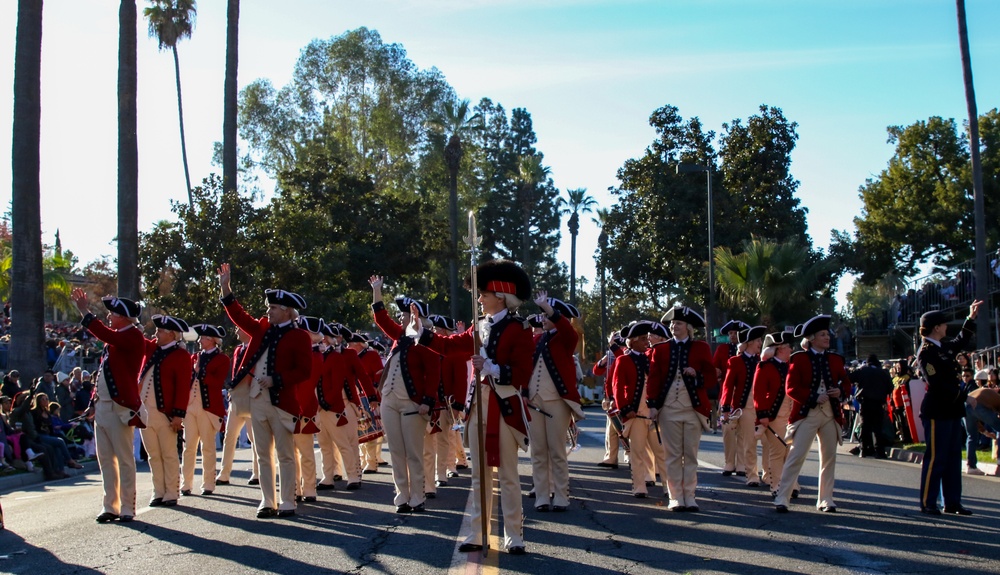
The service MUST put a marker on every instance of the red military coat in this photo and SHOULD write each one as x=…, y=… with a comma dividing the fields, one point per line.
x=306, y=396
x=561, y=347
x=174, y=387
x=423, y=366
x=371, y=361
x=455, y=376
x=211, y=369
x=803, y=393
x=721, y=358
x=769, y=387
x=344, y=372
x=605, y=368
x=292, y=362
x=629, y=378
x=734, y=386
x=125, y=351
x=660, y=379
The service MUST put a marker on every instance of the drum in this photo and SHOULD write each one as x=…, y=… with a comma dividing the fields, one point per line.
x=369, y=425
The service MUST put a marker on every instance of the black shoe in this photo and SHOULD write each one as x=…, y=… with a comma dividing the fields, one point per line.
x=430, y=495
x=353, y=486
x=543, y=508
x=419, y=508
x=855, y=450
x=370, y=471
x=221, y=482
x=106, y=517
x=186, y=493
x=460, y=467
x=516, y=550
x=559, y=508
x=781, y=508
x=727, y=473
x=692, y=509
x=677, y=509
x=383, y=464
x=531, y=495
x=206, y=491
x=309, y=499
x=253, y=481
x=170, y=503
x=157, y=502
x=452, y=474
x=650, y=483
x=266, y=513
x=126, y=519
x=639, y=495
x=828, y=509
x=441, y=484
x=404, y=508
x=325, y=487
x=286, y=513
x=469, y=547
x=338, y=478
x=298, y=499
x=608, y=465
x=795, y=494
x=753, y=484
x=741, y=474
x=774, y=495
x=959, y=510
x=930, y=510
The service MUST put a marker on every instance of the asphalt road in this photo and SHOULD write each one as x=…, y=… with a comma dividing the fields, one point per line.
x=879, y=529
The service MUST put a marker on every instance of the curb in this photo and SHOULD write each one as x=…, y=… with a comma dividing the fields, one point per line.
x=16, y=481
x=990, y=469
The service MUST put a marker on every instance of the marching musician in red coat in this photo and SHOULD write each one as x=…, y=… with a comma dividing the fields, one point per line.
x=409, y=384
x=738, y=439
x=817, y=381
x=165, y=382
x=552, y=388
x=277, y=361
x=439, y=459
x=308, y=424
x=340, y=389
x=237, y=416
x=371, y=361
x=205, y=410
x=505, y=362
x=116, y=403
x=604, y=368
x=772, y=405
x=629, y=386
x=456, y=371
x=732, y=329
x=680, y=373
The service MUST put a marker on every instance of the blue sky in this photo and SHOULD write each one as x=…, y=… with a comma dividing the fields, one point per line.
x=589, y=72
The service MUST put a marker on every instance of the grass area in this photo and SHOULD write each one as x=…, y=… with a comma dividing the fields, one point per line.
x=983, y=456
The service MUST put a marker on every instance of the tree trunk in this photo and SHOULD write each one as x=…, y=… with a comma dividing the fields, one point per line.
x=27, y=351
x=229, y=173
x=574, y=229
x=982, y=271
x=180, y=117
x=453, y=248
x=128, y=154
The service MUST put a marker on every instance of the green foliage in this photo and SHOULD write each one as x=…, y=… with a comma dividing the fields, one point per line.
x=170, y=20
x=920, y=207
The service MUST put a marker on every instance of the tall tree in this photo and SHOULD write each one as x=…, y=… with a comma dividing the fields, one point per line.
x=231, y=96
x=455, y=120
x=27, y=351
x=169, y=22
x=128, y=153
x=982, y=273
x=531, y=174
x=578, y=202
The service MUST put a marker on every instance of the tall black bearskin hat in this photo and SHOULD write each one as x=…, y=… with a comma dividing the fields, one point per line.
x=503, y=276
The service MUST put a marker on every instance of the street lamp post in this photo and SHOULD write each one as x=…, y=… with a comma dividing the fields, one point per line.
x=602, y=241
x=687, y=169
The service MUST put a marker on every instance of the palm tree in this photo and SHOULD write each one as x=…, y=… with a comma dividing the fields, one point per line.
x=530, y=173
x=230, y=96
x=169, y=22
x=455, y=120
x=774, y=280
x=578, y=202
x=128, y=153
x=27, y=352
x=982, y=272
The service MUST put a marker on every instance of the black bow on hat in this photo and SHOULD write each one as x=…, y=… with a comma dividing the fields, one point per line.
x=209, y=330
x=122, y=306
x=170, y=323
x=285, y=298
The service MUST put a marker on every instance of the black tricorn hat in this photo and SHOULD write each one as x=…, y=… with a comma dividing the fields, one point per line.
x=567, y=309
x=636, y=329
x=170, y=323
x=778, y=338
x=377, y=345
x=504, y=276
x=733, y=325
x=752, y=333
x=442, y=322
x=657, y=328
x=814, y=324
x=684, y=314
x=209, y=330
x=122, y=306
x=536, y=320
x=285, y=298
x=403, y=303
x=311, y=324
